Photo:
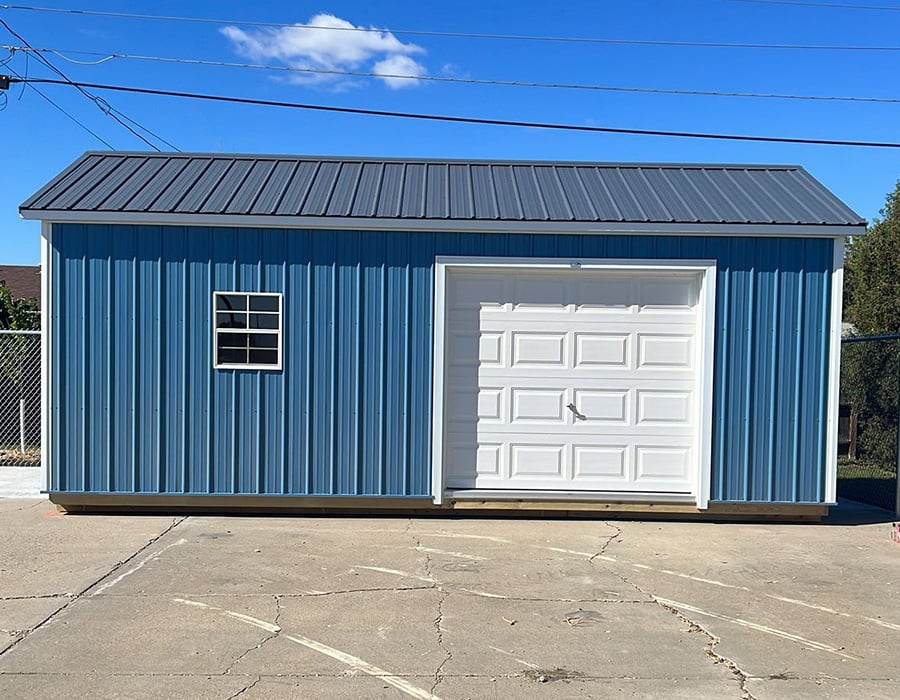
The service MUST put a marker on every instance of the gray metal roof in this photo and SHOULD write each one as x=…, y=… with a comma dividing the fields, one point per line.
x=395, y=189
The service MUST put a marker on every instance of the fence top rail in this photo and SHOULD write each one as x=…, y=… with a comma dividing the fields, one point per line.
x=4, y=331
x=870, y=338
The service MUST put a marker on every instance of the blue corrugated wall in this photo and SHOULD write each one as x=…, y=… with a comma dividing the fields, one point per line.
x=137, y=407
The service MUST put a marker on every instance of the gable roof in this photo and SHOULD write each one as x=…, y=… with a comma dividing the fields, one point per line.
x=302, y=187
x=24, y=281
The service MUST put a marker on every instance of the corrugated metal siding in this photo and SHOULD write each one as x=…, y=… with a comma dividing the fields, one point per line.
x=443, y=190
x=137, y=407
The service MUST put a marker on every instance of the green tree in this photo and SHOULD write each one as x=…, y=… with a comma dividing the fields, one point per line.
x=872, y=302
x=18, y=314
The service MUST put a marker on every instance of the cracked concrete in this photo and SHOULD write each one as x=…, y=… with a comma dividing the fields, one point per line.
x=453, y=607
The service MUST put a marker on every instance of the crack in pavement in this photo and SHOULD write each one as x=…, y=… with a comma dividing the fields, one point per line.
x=439, y=617
x=38, y=597
x=244, y=689
x=77, y=596
x=693, y=626
x=259, y=646
x=616, y=536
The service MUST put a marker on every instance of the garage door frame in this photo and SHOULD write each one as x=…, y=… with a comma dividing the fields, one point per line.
x=706, y=269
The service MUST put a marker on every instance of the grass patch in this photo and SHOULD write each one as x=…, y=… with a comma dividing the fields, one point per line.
x=867, y=482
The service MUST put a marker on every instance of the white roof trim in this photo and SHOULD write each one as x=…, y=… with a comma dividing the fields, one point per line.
x=444, y=225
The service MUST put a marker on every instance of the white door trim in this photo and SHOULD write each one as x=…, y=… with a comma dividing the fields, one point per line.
x=706, y=345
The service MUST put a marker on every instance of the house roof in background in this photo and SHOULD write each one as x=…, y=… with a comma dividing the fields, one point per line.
x=298, y=187
x=24, y=281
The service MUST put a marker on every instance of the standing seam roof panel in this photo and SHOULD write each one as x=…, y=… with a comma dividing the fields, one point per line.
x=145, y=185
x=651, y=204
x=392, y=184
x=461, y=205
x=765, y=198
x=58, y=185
x=144, y=198
x=247, y=192
x=746, y=208
x=366, y=200
x=437, y=191
x=268, y=198
x=508, y=204
x=224, y=192
x=344, y=189
x=575, y=194
x=806, y=184
x=201, y=190
x=412, y=204
x=621, y=193
x=792, y=193
x=79, y=189
x=296, y=191
x=554, y=198
x=726, y=210
x=113, y=183
x=171, y=196
x=320, y=191
x=484, y=195
x=601, y=199
x=529, y=193
x=672, y=198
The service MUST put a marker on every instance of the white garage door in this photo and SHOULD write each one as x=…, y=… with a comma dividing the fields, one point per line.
x=572, y=379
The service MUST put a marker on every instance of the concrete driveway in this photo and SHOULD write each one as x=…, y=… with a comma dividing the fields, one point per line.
x=278, y=607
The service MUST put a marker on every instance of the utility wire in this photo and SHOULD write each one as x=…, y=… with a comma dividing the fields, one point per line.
x=466, y=120
x=104, y=106
x=831, y=5
x=105, y=58
x=26, y=81
x=451, y=35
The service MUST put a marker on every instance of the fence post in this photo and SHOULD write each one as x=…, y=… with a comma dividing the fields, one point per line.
x=897, y=494
x=22, y=426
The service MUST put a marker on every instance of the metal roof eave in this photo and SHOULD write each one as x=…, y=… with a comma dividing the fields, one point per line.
x=444, y=225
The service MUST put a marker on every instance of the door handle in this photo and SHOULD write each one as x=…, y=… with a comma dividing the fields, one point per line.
x=576, y=412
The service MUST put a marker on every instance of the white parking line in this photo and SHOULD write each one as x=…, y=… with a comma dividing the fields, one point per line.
x=759, y=628
x=140, y=565
x=342, y=656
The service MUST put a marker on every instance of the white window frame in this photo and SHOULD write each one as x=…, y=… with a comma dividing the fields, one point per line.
x=279, y=332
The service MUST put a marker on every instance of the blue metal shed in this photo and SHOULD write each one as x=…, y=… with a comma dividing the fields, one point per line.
x=312, y=332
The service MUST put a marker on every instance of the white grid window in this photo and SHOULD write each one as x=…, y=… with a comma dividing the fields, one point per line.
x=247, y=330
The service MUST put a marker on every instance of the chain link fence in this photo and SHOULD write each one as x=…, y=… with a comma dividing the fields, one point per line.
x=868, y=439
x=20, y=398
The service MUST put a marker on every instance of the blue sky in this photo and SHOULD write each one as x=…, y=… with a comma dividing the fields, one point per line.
x=39, y=141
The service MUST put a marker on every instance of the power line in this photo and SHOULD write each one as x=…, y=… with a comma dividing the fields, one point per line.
x=105, y=58
x=104, y=106
x=466, y=120
x=451, y=35
x=832, y=5
x=58, y=107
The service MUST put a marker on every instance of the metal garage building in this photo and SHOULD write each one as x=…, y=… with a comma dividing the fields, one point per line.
x=311, y=332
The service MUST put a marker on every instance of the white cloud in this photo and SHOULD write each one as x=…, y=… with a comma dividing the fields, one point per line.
x=336, y=48
x=398, y=65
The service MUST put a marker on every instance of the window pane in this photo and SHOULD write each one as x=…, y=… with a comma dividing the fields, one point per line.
x=269, y=321
x=263, y=340
x=225, y=319
x=232, y=357
x=263, y=357
x=231, y=302
x=232, y=340
x=263, y=303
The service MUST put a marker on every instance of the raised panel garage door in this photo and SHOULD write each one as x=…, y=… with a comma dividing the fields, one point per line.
x=572, y=380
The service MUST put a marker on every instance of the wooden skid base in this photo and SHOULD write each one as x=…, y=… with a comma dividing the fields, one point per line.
x=97, y=503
